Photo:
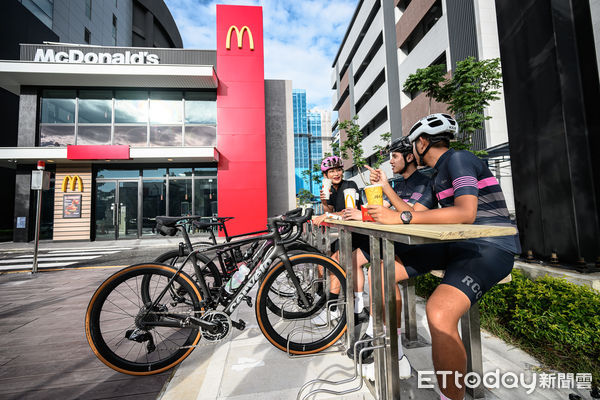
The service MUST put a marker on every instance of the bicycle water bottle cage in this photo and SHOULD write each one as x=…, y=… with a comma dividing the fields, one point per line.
x=238, y=254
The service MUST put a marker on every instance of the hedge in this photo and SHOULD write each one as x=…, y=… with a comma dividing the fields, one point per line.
x=555, y=321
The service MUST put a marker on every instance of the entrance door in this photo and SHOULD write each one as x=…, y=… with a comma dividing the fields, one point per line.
x=116, y=209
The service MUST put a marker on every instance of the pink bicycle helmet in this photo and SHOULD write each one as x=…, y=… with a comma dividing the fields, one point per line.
x=331, y=162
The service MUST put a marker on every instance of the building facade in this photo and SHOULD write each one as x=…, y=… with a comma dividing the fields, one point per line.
x=312, y=139
x=550, y=66
x=131, y=133
x=388, y=40
x=133, y=23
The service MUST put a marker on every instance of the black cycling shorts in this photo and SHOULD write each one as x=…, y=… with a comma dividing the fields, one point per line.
x=359, y=241
x=471, y=267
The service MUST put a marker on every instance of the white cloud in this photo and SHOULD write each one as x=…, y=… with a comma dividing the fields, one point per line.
x=301, y=37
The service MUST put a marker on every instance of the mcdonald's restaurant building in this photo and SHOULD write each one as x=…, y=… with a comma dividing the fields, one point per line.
x=132, y=133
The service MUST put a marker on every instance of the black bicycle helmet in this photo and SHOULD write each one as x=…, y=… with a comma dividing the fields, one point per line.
x=401, y=145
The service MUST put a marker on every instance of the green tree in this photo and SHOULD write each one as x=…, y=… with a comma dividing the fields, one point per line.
x=473, y=85
x=429, y=81
x=304, y=197
x=352, y=146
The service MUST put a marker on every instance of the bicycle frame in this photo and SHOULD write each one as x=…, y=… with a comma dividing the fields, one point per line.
x=277, y=251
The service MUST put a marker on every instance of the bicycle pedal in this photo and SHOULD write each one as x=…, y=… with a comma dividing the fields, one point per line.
x=248, y=300
x=239, y=325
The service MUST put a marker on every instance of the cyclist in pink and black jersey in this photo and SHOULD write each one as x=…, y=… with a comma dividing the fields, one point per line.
x=468, y=193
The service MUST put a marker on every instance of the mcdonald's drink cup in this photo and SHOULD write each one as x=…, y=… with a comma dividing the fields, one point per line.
x=326, y=187
x=350, y=198
x=374, y=195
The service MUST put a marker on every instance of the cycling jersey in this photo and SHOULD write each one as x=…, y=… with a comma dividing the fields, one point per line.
x=336, y=198
x=416, y=189
x=462, y=173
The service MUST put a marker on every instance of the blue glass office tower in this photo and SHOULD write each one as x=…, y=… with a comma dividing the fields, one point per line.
x=308, y=149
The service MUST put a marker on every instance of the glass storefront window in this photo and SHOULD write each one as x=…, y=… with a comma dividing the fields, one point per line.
x=165, y=135
x=200, y=108
x=201, y=135
x=166, y=107
x=131, y=107
x=154, y=203
x=118, y=173
x=57, y=135
x=210, y=172
x=180, y=197
x=95, y=107
x=155, y=173
x=93, y=134
x=58, y=107
x=205, y=197
x=171, y=121
x=180, y=172
x=135, y=136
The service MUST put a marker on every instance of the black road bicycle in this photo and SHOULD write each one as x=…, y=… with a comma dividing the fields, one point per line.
x=218, y=265
x=147, y=318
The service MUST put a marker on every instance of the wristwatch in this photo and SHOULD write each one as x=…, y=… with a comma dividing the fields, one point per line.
x=406, y=217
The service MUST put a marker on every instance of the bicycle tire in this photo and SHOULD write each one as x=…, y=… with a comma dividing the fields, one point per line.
x=110, y=311
x=213, y=277
x=276, y=328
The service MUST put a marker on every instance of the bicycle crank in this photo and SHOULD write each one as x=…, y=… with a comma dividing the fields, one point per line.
x=221, y=326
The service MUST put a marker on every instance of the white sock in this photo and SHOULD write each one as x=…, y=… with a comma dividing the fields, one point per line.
x=359, y=302
x=369, y=330
x=400, y=350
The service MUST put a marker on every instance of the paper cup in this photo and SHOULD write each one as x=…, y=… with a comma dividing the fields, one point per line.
x=327, y=187
x=374, y=195
x=350, y=198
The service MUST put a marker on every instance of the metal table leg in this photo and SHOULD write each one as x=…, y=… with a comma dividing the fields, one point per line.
x=378, y=318
x=471, y=337
x=345, y=239
x=391, y=336
x=409, y=306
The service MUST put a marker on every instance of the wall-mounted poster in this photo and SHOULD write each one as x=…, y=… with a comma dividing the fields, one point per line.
x=72, y=206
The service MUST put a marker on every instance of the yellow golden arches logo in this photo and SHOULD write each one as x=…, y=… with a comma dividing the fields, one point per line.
x=75, y=180
x=240, y=36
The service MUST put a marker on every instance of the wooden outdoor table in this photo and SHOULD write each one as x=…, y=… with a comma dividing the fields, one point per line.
x=387, y=385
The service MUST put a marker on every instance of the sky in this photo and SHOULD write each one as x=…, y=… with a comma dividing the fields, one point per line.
x=301, y=38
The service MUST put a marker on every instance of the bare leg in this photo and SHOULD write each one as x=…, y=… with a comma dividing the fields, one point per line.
x=401, y=275
x=445, y=307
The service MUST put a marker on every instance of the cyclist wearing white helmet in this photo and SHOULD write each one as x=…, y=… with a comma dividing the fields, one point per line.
x=468, y=193
x=413, y=187
x=332, y=169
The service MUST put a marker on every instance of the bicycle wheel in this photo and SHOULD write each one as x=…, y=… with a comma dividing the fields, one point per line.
x=296, y=247
x=293, y=321
x=210, y=271
x=121, y=329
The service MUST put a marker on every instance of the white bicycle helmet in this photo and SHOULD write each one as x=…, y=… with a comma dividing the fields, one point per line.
x=434, y=124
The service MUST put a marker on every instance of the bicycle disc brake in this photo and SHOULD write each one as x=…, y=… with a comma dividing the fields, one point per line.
x=222, y=328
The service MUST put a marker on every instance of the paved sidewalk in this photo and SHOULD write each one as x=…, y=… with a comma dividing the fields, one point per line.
x=44, y=353
x=246, y=366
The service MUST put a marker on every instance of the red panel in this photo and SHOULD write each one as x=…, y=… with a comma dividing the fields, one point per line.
x=241, y=120
x=118, y=152
x=250, y=181
x=228, y=120
x=231, y=71
x=243, y=95
x=255, y=150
